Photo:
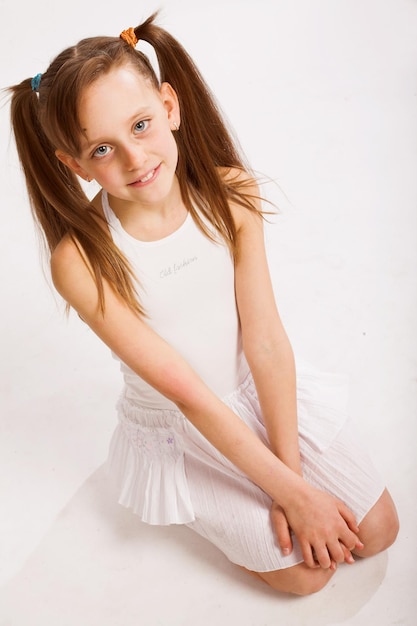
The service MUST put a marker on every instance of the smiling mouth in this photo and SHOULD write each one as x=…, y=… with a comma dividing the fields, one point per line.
x=149, y=176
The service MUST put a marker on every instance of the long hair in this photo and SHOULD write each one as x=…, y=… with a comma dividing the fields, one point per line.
x=49, y=120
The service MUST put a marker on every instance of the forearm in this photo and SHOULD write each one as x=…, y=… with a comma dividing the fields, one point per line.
x=317, y=519
x=273, y=370
x=233, y=438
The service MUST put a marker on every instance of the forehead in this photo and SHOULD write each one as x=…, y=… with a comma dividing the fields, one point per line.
x=114, y=97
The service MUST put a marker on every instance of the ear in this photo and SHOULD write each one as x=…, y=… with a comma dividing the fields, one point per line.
x=72, y=163
x=170, y=101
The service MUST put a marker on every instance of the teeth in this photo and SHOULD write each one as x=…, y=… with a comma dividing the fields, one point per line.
x=148, y=177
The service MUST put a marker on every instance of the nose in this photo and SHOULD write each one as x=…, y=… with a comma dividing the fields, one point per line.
x=134, y=156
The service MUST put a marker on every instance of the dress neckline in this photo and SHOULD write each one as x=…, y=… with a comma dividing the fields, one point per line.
x=116, y=225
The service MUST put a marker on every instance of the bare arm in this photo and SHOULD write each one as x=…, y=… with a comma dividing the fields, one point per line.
x=161, y=366
x=265, y=341
x=153, y=359
x=271, y=361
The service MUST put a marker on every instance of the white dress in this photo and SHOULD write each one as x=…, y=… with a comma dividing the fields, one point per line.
x=164, y=469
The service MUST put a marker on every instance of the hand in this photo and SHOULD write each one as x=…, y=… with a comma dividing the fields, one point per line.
x=325, y=528
x=283, y=532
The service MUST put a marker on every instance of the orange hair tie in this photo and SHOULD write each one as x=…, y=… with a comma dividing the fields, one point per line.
x=129, y=37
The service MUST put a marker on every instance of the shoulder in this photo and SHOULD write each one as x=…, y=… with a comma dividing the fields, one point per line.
x=69, y=258
x=67, y=253
x=238, y=178
x=71, y=272
x=243, y=184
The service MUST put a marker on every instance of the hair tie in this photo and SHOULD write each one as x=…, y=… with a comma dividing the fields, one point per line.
x=129, y=37
x=35, y=82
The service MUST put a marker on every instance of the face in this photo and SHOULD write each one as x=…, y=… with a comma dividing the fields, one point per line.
x=128, y=145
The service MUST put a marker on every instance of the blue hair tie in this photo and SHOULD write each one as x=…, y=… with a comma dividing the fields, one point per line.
x=35, y=82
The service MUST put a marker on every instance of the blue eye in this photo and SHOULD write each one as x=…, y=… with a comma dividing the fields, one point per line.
x=141, y=126
x=101, y=151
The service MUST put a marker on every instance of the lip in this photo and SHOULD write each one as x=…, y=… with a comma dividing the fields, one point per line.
x=139, y=182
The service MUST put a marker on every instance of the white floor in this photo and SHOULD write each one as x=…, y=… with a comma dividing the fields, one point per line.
x=323, y=96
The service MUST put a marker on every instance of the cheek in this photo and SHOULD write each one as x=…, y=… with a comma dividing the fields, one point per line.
x=104, y=171
x=104, y=176
x=165, y=146
x=165, y=135
x=173, y=148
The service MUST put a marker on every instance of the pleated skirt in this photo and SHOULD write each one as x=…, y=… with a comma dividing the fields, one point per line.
x=168, y=473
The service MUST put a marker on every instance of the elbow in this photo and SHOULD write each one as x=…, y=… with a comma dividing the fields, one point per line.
x=269, y=351
x=184, y=389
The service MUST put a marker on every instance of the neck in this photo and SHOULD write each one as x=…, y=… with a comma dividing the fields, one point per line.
x=150, y=221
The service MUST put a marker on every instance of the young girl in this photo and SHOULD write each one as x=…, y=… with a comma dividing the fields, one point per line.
x=167, y=266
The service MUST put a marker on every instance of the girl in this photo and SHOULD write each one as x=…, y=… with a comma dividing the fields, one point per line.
x=167, y=266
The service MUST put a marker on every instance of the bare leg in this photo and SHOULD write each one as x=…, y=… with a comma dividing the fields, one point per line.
x=378, y=531
x=379, y=528
x=298, y=579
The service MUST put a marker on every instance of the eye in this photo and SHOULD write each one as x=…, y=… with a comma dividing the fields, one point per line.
x=141, y=126
x=101, y=151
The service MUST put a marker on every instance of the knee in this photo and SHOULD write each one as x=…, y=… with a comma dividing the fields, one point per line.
x=392, y=527
x=299, y=580
x=312, y=583
x=380, y=527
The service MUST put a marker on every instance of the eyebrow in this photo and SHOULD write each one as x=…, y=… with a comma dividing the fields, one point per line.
x=96, y=142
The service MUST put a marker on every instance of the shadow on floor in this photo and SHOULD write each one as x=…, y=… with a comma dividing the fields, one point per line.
x=99, y=565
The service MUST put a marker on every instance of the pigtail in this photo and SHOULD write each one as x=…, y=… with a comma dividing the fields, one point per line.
x=36, y=156
x=205, y=144
x=44, y=115
x=59, y=204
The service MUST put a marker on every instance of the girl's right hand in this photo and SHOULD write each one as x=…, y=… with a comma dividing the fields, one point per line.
x=325, y=527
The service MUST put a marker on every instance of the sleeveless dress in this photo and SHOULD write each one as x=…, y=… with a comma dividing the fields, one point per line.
x=164, y=469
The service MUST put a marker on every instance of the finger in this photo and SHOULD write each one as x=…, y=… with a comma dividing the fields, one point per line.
x=349, y=535
x=348, y=516
x=308, y=555
x=337, y=551
x=356, y=544
x=348, y=558
x=282, y=531
x=350, y=540
x=323, y=557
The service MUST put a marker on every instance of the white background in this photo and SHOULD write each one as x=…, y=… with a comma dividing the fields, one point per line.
x=323, y=97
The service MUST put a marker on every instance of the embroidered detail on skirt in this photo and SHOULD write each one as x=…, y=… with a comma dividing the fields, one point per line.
x=147, y=462
x=149, y=446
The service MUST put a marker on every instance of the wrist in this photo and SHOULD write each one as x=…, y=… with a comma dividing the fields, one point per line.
x=295, y=490
x=292, y=460
x=294, y=465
